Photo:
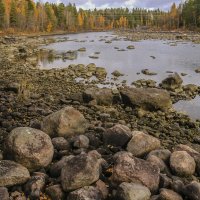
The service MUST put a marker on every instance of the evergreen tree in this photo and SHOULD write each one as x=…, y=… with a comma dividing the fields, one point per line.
x=13, y=14
x=2, y=14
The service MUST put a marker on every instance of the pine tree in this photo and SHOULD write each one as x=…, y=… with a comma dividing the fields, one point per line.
x=2, y=14
x=13, y=14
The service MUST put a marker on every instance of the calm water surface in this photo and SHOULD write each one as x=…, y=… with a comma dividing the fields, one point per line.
x=156, y=55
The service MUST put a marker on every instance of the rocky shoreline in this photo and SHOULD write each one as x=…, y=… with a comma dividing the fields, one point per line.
x=83, y=142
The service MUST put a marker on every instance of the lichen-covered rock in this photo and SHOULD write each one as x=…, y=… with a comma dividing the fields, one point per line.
x=80, y=171
x=12, y=173
x=182, y=163
x=119, y=135
x=65, y=123
x=85, y=193
x=147, y=98
x=132, y=191
x=30, y=147
x=128, y=168
x=141, y=144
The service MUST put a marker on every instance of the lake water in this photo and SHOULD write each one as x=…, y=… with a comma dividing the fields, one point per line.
x=156, y=55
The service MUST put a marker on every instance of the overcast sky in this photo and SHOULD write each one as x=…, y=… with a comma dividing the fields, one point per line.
x=91, y=4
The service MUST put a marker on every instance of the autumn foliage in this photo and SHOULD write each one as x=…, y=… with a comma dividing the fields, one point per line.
x=28, y=15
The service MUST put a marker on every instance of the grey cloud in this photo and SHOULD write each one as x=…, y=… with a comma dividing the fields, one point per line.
x=162, y=4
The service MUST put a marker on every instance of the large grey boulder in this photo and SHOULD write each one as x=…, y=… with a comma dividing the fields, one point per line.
x=182, y=163
x=119, y=135
x=30, y=147
x=80, y=171
x=141, y=144
x=146, y=98
x=132, y=191
x=12, y=173
x=128, y=168
x=65, y=123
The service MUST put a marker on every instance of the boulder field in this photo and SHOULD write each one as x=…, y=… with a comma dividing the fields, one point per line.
x=63, y=161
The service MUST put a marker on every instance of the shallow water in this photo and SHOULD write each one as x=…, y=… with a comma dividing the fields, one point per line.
x=189, y=107
x=156, y=55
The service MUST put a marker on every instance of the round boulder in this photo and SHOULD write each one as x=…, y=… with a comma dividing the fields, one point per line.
x=166, y=194
x=133, y=191
x=64, y=123
x=30, y=147
x=182, y=163
x=12, y=173
x=142, y=144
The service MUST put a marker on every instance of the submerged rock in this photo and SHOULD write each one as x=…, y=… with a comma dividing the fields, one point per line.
x=64, y=123
x=117, y=73
x=147, y=72
x=30, y=147
x=83, y=49
x=130, y=47
x=147, y=98
x=12, y=173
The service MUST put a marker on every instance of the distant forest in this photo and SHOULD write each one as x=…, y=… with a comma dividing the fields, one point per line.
x=28, y=16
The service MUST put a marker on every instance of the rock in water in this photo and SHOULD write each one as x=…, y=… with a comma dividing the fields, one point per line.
x=80, y=171
x=141, y=144
x=172, y=82
x=65, y=123
x=30, y=147
x=12, y=173
x=133, y=191
x=182, y=163
x=147, y=98
x=119, y=135
x=128, y=168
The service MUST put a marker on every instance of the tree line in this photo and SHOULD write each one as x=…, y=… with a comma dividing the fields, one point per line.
x=27, y=15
